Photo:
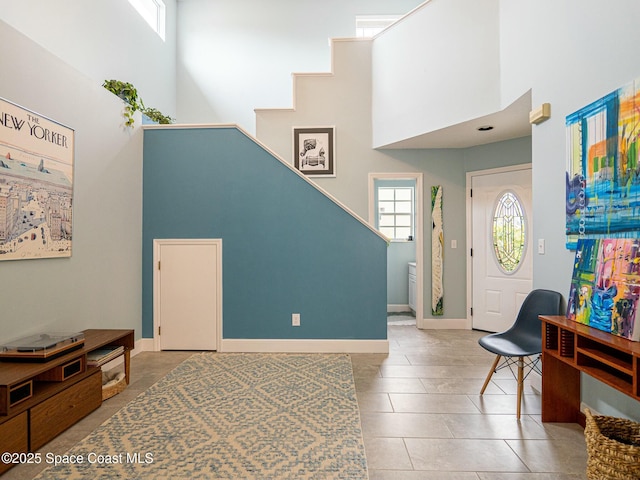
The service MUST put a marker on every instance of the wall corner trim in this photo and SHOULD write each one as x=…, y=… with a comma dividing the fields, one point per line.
x=303, y=346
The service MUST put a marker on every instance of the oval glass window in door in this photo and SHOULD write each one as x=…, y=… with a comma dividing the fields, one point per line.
x=508, y=232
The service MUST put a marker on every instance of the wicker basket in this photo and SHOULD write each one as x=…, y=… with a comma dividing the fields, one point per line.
x=112, y=384
x=613, y=445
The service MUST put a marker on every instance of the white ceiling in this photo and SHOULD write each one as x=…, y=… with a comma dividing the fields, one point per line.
x=512, y=122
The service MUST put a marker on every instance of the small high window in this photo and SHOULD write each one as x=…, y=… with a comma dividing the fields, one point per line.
x=395, y=212
x=508, y=232
x=371, y=25
x=154, y=12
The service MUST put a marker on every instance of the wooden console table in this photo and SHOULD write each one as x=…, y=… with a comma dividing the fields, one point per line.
x=39, y=400
x=569, y=348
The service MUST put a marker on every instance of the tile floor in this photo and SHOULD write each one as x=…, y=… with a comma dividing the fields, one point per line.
x=422, y=417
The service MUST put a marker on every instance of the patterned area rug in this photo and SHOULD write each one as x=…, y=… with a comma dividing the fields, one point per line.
x=232, y=416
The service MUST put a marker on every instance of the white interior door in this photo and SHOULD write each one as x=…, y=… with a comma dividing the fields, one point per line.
x=188, y=290
x=499, y=288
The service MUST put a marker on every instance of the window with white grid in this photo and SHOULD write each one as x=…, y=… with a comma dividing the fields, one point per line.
x=395, y=212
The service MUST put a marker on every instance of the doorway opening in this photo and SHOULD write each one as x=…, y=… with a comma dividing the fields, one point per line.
x=396, y=210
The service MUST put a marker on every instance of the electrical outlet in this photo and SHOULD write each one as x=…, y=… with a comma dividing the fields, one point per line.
x=295, y=319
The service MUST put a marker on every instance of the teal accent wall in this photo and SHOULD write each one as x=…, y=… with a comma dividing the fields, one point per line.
x=287, y=248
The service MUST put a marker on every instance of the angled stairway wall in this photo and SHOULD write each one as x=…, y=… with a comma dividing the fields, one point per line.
x=287, y=247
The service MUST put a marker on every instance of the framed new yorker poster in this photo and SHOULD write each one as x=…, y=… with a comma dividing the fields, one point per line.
x=314, y=151
x=36, y=185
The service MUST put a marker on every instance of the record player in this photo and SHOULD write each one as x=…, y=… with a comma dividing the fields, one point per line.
x=41, y=346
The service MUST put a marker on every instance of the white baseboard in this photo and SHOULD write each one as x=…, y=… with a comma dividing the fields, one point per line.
x=143, y=345
x=397, y=308
x=303, y=346
x=444, y=324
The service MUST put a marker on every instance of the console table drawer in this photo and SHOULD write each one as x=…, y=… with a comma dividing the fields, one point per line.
x=56, y=414
x=63, y=372
x=13, y=437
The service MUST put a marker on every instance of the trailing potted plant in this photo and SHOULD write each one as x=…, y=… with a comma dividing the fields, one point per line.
x=129, y=94
x=156, y=116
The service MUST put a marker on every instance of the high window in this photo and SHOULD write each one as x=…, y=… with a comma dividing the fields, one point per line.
x=371, y=25
x=395, y=212
x=154, y=12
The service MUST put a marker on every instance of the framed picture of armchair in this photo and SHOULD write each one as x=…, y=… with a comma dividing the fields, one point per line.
x=314, y=151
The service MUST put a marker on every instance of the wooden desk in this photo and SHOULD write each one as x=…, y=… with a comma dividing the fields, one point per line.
x=569, y=348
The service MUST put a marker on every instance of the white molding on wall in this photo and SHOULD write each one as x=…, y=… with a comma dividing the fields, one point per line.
x=393, y=308
x=233, y=345
x=143, y=345
x=303, y=346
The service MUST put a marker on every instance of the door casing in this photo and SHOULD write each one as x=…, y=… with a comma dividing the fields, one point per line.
x=419, y=229
x=157, y=244
x=469, y=235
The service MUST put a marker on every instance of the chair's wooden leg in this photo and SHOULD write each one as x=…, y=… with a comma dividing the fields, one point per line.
x=493, y=369
x=520, y=384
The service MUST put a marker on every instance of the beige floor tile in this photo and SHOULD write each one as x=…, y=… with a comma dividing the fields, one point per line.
x=416, y=403
x=389, y=385
x=550, y=455
x=404, y=425
x=494, y=427
x=461, y=386
x=386, y=454
x=378, y=359
x=507, y=404
x=420, y=475
x=531, y=476
x=374, y=402
x=510, y=386
x=441, y=371
x=463, y=455
x=437, y=360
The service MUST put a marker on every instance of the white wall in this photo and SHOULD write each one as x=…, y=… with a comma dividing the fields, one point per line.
x=570, y=53
x=104, y=40
x=99, y=286
x=237, y=55
x=436, y=68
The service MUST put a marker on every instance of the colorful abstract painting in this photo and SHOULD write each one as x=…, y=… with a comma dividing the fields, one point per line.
x=603, y=176
x=605, y=286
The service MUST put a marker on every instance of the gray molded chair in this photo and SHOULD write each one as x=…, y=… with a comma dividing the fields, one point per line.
x=523, y=340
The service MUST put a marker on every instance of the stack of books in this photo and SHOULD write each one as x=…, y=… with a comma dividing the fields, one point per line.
x=103, y=355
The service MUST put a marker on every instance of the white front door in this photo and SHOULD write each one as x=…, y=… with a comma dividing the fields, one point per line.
x=188, y=290
x=501, y=279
